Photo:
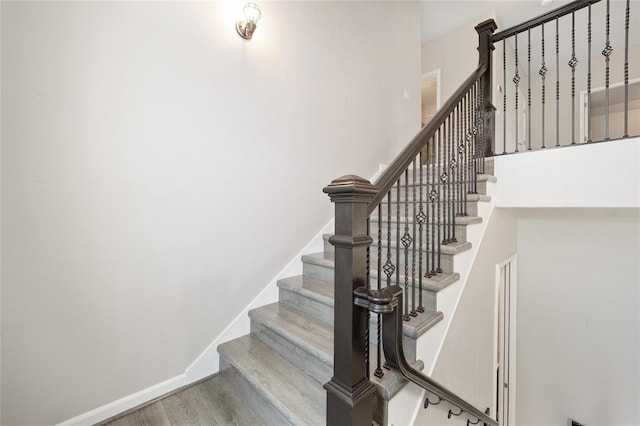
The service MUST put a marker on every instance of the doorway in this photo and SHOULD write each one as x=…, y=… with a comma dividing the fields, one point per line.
x=430, y=101
x=505, y=342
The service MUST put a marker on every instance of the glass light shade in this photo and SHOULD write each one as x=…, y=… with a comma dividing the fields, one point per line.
x=252, y=12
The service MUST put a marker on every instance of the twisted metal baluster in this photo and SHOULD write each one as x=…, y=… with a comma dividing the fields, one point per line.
x=406, y=242
x=420, y=218
x=557, y=84
x=543, y=72
x=378, y=372
x=626, y=72
x=427, y=269
x=504, y=96
x=449, y=197
x=368, y=283
x=398, y=232
x=444, y=177
x=607, y=53
x=412, y=312
x=529, y=89
x=589, y=76
x=439, y=199
x=573, y=62
x=452, y=169
x=433, y=197
x=475, y=138
x=516, y=81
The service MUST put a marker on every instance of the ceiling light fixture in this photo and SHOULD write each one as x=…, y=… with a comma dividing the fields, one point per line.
x=252, y=14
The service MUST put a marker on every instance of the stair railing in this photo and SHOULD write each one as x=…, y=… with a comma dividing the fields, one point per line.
x=388, y=303
x=541, y=83
x=416, y=204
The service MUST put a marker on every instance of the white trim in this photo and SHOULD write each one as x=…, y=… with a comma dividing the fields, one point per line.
x=130, y=401
x=513, y=297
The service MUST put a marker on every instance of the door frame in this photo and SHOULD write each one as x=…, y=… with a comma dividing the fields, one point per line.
x=511, y=353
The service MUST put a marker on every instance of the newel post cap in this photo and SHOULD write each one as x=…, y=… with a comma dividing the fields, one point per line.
x=486, y=26
x=350, y=189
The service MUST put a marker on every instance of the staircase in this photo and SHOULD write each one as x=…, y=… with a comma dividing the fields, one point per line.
x=279, y=369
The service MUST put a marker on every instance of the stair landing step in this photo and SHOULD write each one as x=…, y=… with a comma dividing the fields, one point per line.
x=296, y=396
x=307, y=333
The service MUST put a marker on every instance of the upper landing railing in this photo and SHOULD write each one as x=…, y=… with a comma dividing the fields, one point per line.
x=565, y=77
x=390, y=237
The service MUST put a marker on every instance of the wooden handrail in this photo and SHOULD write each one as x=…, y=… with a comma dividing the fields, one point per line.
x=542, y=19
x=388, y=303
x=404, y=159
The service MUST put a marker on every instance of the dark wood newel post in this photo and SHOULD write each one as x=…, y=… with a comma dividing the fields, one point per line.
x=485, y=49
x=349, y=392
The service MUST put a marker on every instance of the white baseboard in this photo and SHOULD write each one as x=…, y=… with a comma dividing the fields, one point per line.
x=207, y=363
x=123, y=404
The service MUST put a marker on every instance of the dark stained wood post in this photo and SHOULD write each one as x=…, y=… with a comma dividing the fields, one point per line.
x=485, y=49
x=350, y=394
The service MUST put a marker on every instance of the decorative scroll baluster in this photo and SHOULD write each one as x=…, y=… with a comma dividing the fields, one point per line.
x=452, y=168
x=378, y=372
x=543, y=73
x=573, y=62
x=412, y=312
x=476, y=125
x=388, y=266
x=589, y=75
x=433, y=197
x=439, y=197
x=406, y=243
x=504, y=96
x=557, y=84
x=467, y=144
x=606, y=52
x=444, y=177
x=516, y=82
x=529, y=113
x=420, y=218
x=626, y=71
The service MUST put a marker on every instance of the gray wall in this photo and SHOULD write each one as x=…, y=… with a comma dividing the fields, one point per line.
x=158, y=171
x=578, y=332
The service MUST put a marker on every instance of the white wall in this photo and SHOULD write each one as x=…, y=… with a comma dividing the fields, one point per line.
x=603, y=174
x=466, y=362
x=578, y=332
x=158, y=171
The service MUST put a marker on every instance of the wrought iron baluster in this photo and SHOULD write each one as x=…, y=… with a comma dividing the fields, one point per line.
x=557, y=84
x=516, y=81
x=389, y=268
x=398, y=232
x=438, y=197
x=428, y=219
x=368, y=283
x=444, y=177
x=626, y=71
x=412, y=312
x=504, y=96
x=476, y=125
x=606, y=52
x=406, y=243
x=378, y=372
x=573, y=62
x=589, y=75
x=529, y=89
x=543, y=72
x=452, y=168
x=420, y=218
x=433, y=197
